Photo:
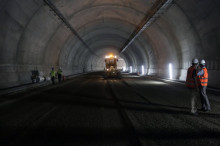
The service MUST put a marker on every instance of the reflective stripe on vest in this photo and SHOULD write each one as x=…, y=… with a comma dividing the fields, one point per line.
x=190, y=82
x=203, y=80
x=59, y=71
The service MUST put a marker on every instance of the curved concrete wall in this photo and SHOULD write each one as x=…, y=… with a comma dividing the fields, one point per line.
x=32, y=37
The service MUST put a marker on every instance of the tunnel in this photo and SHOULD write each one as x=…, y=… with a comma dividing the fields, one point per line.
x=154, y=41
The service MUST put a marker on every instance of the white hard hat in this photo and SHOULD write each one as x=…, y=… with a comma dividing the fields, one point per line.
x=202, y=62
x=195, y=61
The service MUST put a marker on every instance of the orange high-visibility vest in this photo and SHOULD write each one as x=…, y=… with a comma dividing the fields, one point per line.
x=203, y=80
x=190, y=82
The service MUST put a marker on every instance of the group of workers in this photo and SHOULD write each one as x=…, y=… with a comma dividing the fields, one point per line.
x=197, y=81
x=53, y=74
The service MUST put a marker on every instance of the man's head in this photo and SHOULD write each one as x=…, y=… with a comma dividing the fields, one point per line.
x=202, y=63
x=195, y=62
x=52, y=68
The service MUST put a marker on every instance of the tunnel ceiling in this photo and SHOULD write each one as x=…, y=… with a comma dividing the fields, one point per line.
x=34, y=38
x=104, y=25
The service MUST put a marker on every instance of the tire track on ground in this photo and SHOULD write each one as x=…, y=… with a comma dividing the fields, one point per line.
x=132, y=135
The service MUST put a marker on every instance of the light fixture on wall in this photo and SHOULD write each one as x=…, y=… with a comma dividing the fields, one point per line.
x=130, y=69
x=124, y=68
x=142, y=68
x=171, y=71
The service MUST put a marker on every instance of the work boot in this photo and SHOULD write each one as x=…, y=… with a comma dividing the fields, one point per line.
x=194, y=113
x=206, y=110
x=194, y=110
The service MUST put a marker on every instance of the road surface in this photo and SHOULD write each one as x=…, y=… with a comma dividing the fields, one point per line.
x=89, y=110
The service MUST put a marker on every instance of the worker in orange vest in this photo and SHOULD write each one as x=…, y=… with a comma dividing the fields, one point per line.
x=192, y=85
x=203, y=82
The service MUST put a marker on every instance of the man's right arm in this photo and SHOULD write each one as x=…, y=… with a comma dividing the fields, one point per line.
x=200, y=73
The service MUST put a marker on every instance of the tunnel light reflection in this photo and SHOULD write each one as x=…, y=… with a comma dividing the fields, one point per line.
x=130, y=69
x=171, y=71
x=153, y=83
x=142, y=67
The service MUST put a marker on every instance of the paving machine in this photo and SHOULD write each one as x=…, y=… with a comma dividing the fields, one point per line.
x=111, y=67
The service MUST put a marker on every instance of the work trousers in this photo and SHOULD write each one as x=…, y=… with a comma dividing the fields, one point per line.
x=194, y=99
x=59, y=77
x=53, y=80
x=204, y=98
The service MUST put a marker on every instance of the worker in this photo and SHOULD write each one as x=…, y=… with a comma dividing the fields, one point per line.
x=203, y=82
x=53, y=75
x=59, y=73
x=192, y=85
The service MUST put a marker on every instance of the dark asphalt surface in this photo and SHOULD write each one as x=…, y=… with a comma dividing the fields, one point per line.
x=89, y=110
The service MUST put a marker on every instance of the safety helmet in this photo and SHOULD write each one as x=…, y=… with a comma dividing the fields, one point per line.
x=195, y=61
x=202, y=62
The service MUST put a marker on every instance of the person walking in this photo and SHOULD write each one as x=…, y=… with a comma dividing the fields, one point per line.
x=203, y=83
x=191, y=84
x=53, y=75
x=59, y=73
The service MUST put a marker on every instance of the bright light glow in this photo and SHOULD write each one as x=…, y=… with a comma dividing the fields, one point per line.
x=171, y=71
x=110, y=56
x=130, y=69
x=124, y=68
x=142, y=67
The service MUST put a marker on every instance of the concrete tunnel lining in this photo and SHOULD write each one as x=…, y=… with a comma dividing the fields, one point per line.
x=124, y=24
x=94, y=31
x=92, y=21
x=32, y=40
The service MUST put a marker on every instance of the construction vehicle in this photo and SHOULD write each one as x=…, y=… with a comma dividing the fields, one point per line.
x=111, y=67
x=37, y=76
